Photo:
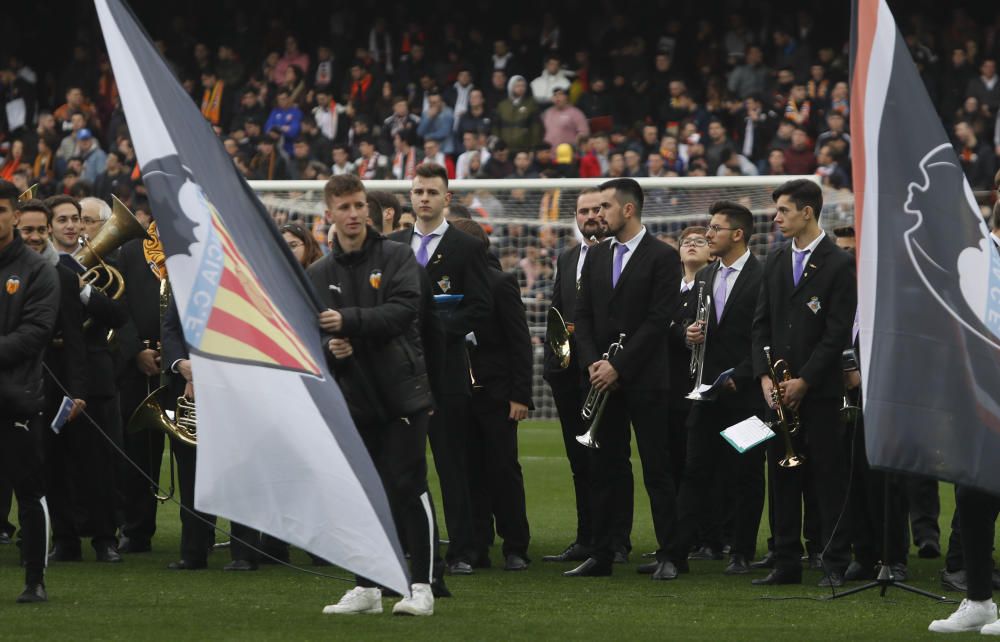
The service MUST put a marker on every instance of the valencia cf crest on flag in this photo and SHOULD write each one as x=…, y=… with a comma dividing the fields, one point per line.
x=13, y=285
x=375, y=279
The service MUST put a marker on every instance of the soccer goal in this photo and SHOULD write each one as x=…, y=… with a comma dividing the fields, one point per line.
x=530, y=222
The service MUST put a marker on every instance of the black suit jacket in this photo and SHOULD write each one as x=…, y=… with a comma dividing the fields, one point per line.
x=106, y=314
x=808, y=325
x=502, y=357
x=641, y=306
x=458, y=266
x=729, y=339
x=680, y=354
x=564, y=299
x=174, y=347
x=66, y=355
x=142, y=304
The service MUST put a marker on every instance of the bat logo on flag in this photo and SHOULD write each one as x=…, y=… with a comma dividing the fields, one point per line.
x=961, y=270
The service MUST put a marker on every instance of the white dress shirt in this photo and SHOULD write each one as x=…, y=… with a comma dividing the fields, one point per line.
x=736, y=267
x=584, y=248
x=631, y=244
x=432, y=245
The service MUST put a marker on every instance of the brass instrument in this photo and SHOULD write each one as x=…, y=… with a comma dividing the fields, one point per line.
x=593, y=406
x=28, y=194
x=697, y=367
x=557, y=333
x=120, y=228
x=788, y=421
x=849, y=412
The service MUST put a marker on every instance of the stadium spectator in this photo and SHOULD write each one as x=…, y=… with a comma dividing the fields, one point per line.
x=215, y=101
x=473, y=150
x=457, y=95
x=976, y=157
x=553, y=77
x=268, y=164
x=249, y=107
x=476, y=119
x=341, y=161
x=292, y=56
x=563, y=122
x=986, y=87
x=717, y=142
x=434, y=155
x=286, y=119
x=75, y=103
x=752, y=77
x=90, y=152
x=404, y=157
x=800, y=157
x=437, y=123
x=516, y=120
x=371, y=165
x=499, y=165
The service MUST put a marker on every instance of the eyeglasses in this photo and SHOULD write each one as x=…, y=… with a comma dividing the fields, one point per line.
x=694, y=242
x=715, y=229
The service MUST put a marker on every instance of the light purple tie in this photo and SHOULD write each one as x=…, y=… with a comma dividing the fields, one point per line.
x=800, y=259
x=721, y=291
x=422, y=257
x=616, y=270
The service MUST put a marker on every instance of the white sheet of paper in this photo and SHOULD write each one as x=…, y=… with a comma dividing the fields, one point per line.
x=747, y=434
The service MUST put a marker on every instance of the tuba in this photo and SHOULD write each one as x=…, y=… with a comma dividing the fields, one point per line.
x=557, y=333
x=181, y=422
x=593, y=406
x=697, y=367
x=788, y=421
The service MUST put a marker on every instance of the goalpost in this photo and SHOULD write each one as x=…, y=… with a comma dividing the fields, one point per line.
x=531, y=221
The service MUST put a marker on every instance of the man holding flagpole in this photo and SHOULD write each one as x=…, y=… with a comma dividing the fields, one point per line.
x=372, y=288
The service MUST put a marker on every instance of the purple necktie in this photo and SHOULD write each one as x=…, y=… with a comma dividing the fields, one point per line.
x=721, y=291
x=800, y=259
x=422, y=257
x=616, y=270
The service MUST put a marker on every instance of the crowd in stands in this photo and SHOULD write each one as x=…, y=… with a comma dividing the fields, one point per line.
x=562, y=95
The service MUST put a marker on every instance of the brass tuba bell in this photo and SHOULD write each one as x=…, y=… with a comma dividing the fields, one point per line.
x=557, y=333
x=181, y=422
x=116, y=231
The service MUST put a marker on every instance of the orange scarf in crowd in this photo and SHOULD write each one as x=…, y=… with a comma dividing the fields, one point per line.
x=211, y=103
x=359, y=88
x=7, y=173
x=43, y=165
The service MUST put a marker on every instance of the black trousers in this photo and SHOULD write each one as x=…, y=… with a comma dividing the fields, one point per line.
x=567, y=392
x=495, y=479
x=677, y=435
x=80, y=476
x=645, y=410
x=6, y=497
x=713, y=465
x=398, y=450
x=145, y=448
x=198, y=529
x=824, y=445
x=21, y=467
x=978, y=514
x=925, y=509
x=448, y=433
x=955, y=557
x=869, y=512
x=245, y=543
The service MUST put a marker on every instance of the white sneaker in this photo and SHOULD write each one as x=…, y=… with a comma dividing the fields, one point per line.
x=991, y=629
x=358, y=600
x=970, y=616
x=420, y=602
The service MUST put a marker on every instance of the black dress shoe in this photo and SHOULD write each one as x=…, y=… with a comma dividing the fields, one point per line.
x=573, y=553
x=187, y=565
x=590, y=568
x=765, y=562
x=954, y=580
x=438, y=588
x=64, y=554
x=648, y=568
x=705, y=553
x=240, y=565
x=621, y=557
x=33, y=593
x=460, y=568
x=737, y=565
x=857, y=571
x=665, y=571
x=833, y=579
x=131, y=546
x=108, y=554
x=776, y=577
x=515, y=562
x=929, y=549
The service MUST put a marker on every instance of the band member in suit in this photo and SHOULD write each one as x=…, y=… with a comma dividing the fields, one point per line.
x=29, y=303
x=89, y=474
x=712, y=465
x=501, y=359
x=805, y=313
x=197, y=528
x=628, y=286
x=138, y=345
x=456, y=264
x=371, y=286
x=569, y=385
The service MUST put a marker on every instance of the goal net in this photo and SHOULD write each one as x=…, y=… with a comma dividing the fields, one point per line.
x=530, y=222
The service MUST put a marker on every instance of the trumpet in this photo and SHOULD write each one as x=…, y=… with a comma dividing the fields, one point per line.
x=593, y=406
x=788, y=421
x=697, y=367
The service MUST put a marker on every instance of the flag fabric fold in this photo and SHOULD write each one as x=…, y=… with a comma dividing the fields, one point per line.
x=277, y=449
x=928, y=274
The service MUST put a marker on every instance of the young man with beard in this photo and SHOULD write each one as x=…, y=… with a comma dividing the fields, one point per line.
x=29, y=304
x=569, y=386
x=372, y=289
